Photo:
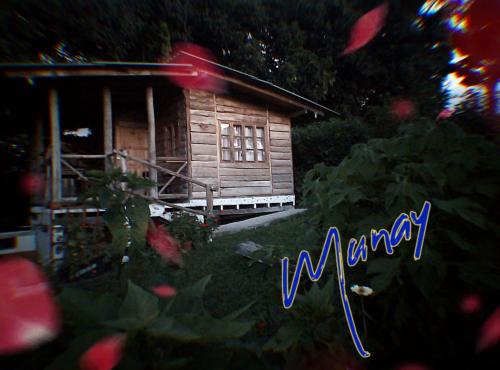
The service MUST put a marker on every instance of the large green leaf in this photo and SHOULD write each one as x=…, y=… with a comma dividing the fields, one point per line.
x=188, y=299
x=138, y=309
x=385, y=270
x=196, y=328
x=288, y=336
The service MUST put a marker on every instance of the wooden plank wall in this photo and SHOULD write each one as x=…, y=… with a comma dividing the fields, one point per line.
x=204, y=155
x=238, y=179
x=281, y=153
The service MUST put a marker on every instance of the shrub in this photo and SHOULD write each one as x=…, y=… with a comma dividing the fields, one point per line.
x=325, y=142
x=458, y=173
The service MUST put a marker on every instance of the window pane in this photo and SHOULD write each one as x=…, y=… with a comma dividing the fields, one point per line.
x=260, y=143
x=224, y=129
x=249, y=143
x=237, y=142
x=225, y=142
x=237, y=130
x=261, y=155
x=260, y=132
x=250, y=155
x=249, y=131
x=226, y=154
x=238, y=155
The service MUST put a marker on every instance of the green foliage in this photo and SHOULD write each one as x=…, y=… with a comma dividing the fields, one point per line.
x=167, y=328
x=126, y=216
x=331, y=141
x=187, y=228
x=84, y=241
x=458, y=173
x=312, y=326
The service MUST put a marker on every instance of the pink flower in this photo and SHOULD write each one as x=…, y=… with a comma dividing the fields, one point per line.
x=162, y=242
x=366, y=28
x=470, y=304
x=489, y=333
x=412, y=366
x=164, y=291
x=445, y=114
x=28, y=312
x=203, y=73
x=103, y=355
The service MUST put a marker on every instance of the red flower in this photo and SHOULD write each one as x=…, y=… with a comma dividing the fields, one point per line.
x=103, y=355
x=366, y=28
x=203, y=225
x=32, y=183
x=164, y=291
x=489, y=334
x=164, y=244
x=402, y=108
x=470, y=304
x=445, y=114
x=28, y=313
x=261, y=326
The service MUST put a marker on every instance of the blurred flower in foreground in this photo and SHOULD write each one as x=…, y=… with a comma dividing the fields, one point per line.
x=32, y=184
x=402, y=108
x=103, y=355
x=164, y=291
x=412, y=366
x=445, y=114
x=362, y=290
x=470, y=304
x=366, y=28
x=162, y=242
x=28, y=313
x=489, y=335
x=203, y=68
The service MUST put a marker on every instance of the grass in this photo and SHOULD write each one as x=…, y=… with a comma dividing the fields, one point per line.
x=235, y=280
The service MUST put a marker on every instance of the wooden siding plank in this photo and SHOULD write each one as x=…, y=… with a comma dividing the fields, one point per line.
x=204, y=149
x=281, y=163
x=280, y=142
x=241, y=118
x=203, y=172
x=282, y=192
x=241, y=172
x=279, y=127
x=204, y=157
x=282, y=170
x=283, y=185
x=282, y=178
x=263, y=165
x=280, y=135
x=281, y=149
x=275, y=155
x=208, y=128
x=206, y=164
x=246, y=191
x=261, y=177
x=240, y=183
x=196, y=118
x=203, y=138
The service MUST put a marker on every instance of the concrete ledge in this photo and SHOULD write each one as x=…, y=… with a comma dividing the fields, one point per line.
x=256, y=222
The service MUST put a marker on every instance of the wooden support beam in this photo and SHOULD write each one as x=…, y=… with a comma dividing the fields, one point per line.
x=153, y=174
x=55, y=136
x=108, y=126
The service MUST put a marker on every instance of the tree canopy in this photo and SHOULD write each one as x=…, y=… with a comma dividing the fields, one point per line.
x=293, y=43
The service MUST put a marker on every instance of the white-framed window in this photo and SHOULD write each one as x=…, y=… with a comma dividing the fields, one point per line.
x=242, y=142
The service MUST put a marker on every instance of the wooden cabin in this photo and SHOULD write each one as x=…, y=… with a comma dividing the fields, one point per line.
x=208, y=152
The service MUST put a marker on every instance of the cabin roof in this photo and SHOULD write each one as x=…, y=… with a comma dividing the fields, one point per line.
x=233, y=77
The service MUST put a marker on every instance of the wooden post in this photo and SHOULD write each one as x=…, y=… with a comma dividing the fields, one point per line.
x=108, y=126
x=55, y=136
x=153, y=174
x=210, y=199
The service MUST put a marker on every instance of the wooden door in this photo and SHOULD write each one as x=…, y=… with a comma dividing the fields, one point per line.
x=134, y=139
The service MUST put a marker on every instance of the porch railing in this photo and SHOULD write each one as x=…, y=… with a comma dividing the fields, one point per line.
x=124, y=157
